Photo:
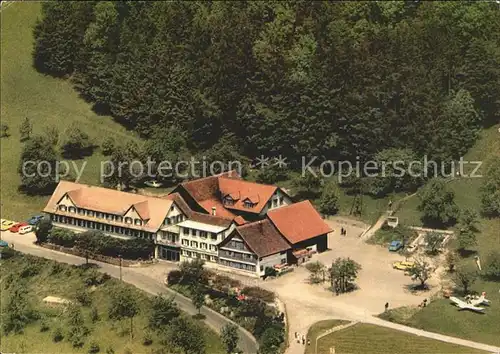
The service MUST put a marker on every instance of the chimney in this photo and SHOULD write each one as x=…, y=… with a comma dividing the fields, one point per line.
x=214, y=211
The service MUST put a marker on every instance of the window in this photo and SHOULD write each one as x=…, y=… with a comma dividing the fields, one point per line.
x=203, y=234
x=213, y=236
x=194, y=244
x=261, y=268
x=203, y=245
x=193, y=232
x=280, y=200
x=166, y=221
x=119, y=218
x=269, y=204
x=62, y=207
x=185, y=231
x=248, y=204
x=228, y=200
x=185, y=242
x=128, y=220
x=283, y=260
x=138, y=221
x=172, y=208
x=179, y=218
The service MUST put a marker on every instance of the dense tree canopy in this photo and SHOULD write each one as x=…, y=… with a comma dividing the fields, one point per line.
x=329, y=79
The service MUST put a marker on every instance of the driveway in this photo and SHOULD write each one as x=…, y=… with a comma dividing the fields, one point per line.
x=378, y=283
x=138, y=277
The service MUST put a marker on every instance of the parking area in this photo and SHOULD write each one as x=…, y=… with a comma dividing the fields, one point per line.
x=378, y=283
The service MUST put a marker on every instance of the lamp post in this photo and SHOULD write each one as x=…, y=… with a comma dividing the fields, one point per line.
x=120, y=257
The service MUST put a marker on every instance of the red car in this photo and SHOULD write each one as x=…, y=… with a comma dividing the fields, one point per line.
x=16, y=227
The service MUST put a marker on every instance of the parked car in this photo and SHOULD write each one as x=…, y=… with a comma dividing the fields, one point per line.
x=403, y=265
x=6, y=224
x=395, y=246
x=16, y=227
x=3, y=243
x=153, y=183
x=25, y=229
x=411, y=248
x=35, y=219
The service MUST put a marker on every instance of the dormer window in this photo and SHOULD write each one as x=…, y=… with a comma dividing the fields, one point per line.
x=228, y=200
x=138, y=222
x=119, y=218
x=128, y=220
x=62, y=207
x=72, y=209
x=248, y=204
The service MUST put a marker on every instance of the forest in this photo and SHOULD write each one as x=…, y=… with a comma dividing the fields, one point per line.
x=337, y=80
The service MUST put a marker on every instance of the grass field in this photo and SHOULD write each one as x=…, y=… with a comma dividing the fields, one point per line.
x=54, y=279
x=366, y=338
x=46, y=101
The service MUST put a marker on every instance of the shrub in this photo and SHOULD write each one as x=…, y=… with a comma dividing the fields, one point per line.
x=83, y=297
x=62, y=237
x=94, y=315
x=110, y=350
x=95, y=278
x=94, y=348
x=30, y=269
x=148, y=339
x=57, y=336
x=174, y=277
x=44, y=326
x=259, y=293
x=492, y=270
x=108, y=146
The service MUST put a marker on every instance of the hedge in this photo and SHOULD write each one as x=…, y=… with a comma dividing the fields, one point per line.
x=102, y=244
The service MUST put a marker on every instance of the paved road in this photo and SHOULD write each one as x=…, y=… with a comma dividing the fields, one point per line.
x=24, y=243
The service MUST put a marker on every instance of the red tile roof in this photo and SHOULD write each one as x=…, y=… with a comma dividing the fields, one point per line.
x=262, y=238
x=210, y=219
x=180, y=202
x=298, y=222
x=209, y=192
x=151, y=209
x=257, y=193
x=208, y=187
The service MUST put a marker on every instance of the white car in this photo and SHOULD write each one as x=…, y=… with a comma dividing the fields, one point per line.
x=153, y=183
x=25, y=229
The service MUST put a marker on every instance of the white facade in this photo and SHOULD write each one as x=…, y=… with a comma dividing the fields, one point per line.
x=278, y=200
x=201, y=240
x=270, y=261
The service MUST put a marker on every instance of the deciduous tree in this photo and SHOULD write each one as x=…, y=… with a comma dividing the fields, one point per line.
x=343, y=273
x=422, y=271
x=37, y=166
x=123, y=305
x=163, y=312
x=437, y=203
x=490, y=190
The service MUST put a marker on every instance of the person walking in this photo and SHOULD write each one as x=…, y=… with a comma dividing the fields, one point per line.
x=386, y=306
x=303, y=340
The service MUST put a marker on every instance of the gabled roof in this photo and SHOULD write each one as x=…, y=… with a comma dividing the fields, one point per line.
x=298, y=222
x=151, y=209
x=210, y=219
x=208, y=187
x=262, y=238
x=180, y=202
x=257, y=193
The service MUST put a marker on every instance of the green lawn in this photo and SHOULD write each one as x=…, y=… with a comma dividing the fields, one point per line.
x=54, y=279
x=365, y=338
x=46, y=101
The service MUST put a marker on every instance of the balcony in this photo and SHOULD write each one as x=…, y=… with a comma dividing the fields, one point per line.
x=167, y=242
x=238, y=257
